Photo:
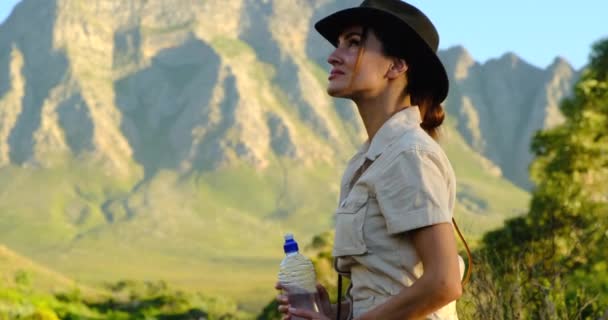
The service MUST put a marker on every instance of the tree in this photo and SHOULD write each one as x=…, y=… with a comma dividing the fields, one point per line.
x=556, y=254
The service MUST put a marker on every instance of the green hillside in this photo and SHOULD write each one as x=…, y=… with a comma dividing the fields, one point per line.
x=17, y=270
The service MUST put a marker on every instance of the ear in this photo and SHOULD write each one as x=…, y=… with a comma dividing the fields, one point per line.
x=397, y=68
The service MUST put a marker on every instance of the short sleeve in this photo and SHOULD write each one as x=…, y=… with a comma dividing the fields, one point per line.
x=413, y=192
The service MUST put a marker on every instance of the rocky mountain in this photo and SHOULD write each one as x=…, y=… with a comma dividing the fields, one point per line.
x=500, y=104
x=179, y=139
x=185, y=85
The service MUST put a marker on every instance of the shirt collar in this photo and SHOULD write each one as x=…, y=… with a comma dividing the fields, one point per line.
x=394, y=127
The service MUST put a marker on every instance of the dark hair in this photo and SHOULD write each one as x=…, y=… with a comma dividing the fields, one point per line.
x=420, y=87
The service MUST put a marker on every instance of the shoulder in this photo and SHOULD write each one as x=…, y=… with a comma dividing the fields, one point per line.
x=416, y=153
x=417, y=143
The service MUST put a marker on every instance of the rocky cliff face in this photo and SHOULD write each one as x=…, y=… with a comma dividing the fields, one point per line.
x=500, y=104
x=186, y=85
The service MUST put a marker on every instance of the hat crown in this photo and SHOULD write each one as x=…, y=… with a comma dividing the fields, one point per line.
x=411, y=15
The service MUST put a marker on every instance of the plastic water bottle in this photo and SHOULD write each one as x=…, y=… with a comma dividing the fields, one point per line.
x=297, y=275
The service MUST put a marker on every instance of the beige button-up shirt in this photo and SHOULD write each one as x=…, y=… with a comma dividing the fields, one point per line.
x=409, y=185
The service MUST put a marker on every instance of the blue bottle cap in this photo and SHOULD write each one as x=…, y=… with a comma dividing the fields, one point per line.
x=290, y=244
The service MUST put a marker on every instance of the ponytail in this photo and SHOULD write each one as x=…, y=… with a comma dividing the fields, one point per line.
x=432, y=114
x=424, y=97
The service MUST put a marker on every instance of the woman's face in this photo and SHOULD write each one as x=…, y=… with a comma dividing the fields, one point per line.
x=369, y=79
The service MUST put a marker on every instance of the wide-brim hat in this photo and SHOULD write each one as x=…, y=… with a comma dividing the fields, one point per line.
x=409, y=29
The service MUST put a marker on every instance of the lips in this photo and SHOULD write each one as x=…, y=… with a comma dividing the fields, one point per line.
x=334, y=73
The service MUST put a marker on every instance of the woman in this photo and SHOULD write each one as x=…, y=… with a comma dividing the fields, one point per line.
x=394, y=236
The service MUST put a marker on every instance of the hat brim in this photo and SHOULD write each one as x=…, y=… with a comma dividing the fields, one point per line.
x=331, y=26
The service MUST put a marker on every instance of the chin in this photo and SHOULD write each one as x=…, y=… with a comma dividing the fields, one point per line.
x=337, y=92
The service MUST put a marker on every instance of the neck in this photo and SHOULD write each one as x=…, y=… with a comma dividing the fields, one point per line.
x=376, y=110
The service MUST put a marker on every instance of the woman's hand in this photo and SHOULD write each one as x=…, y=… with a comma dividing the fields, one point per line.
x=282, y=301
x=326, y=309
x=323, y=303
x=307, y=314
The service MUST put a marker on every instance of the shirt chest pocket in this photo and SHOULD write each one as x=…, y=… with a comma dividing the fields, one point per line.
x=350, y=218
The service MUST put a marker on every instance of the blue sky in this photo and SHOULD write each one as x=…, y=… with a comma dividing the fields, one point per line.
x=536, y=30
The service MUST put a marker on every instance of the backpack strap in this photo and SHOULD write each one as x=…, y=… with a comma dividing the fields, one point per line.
x=469, y=256
x=339, y=302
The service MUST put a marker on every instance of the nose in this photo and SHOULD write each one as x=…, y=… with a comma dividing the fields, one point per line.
x=334, y=58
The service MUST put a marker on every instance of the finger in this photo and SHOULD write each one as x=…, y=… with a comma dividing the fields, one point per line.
x=282, y=299
x=282, y=287
x=324, y=302
x=283, y=309
x=307, y=314
x=322, y=291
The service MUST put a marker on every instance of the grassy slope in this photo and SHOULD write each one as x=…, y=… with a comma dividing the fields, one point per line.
x=11, y=264
x=30, y=291
x=204, y=233
x=40, y=279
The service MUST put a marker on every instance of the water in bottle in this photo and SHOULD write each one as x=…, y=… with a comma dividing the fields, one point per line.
x=297, y=275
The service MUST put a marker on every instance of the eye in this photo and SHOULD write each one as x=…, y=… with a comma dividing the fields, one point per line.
x=354, y=41
x=350, y=41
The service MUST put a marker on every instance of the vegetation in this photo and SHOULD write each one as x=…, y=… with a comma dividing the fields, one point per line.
x=124, y=300
x=552, y=263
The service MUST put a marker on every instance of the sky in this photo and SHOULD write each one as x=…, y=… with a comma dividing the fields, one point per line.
x=536, y=30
